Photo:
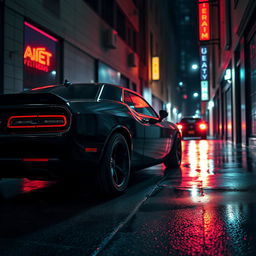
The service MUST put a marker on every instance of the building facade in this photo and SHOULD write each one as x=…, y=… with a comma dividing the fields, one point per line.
x=231, y=108
x=47, y=41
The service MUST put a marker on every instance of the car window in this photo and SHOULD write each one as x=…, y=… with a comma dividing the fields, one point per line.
x=111, y=93
x=138, y=104
x=190, y=120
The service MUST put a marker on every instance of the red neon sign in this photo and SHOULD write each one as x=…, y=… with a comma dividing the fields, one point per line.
x=41, y=31
x=204, y=21
x=38, y=58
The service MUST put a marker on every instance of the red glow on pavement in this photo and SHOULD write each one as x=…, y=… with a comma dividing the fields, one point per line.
x=198, y=227
x=201, y=168
x=30, y=185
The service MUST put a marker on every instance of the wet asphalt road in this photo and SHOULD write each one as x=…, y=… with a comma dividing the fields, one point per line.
x=207, y=207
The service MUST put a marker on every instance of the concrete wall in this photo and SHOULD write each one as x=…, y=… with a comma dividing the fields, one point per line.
x=75, y=23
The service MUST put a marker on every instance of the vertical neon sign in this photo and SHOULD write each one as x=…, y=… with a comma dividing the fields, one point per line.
x=155, y=68
x=204, y=73
x=204, y=20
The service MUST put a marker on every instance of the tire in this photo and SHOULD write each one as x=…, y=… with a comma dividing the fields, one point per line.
x=114, y=169
x=173, y=159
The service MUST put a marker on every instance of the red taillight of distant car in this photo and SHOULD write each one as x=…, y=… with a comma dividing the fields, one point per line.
x=179, y=126
x=203, y=126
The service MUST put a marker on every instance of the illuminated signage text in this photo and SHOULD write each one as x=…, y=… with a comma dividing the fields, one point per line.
x=38, y=58
x=155, y=68
x=204, y=21
x=204, y=73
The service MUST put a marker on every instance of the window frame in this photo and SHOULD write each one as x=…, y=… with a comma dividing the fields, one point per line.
x=134, y=110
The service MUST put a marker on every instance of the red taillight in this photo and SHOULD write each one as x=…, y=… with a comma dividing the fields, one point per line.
x=35, y=159
x=90, y=149
x=179, y=126
x=37, y=121
x=203, y=126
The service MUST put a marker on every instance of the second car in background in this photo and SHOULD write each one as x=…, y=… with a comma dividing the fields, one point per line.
x=193, y=127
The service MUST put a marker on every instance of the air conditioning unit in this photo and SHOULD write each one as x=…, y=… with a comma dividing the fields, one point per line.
x=111, y=39
x=133, y=60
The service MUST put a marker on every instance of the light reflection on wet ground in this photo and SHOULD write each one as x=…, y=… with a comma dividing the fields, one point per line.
x=207, y=207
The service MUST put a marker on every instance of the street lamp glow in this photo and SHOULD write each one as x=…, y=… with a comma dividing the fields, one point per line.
x=180, y=83
x=210, y=104
x=194, y=66
x=195, y=94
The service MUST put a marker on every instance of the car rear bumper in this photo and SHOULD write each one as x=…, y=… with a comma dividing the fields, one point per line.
x=45, y=157
x=194, y=134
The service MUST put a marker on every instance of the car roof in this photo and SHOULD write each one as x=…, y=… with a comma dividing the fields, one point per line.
x=190, y=118
x=51, y=88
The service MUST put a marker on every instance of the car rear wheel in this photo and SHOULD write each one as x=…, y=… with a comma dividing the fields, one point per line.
x=114, y=170
x=173, y=160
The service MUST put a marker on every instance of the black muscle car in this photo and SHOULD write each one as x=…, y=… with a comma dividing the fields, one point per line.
x=58, y=131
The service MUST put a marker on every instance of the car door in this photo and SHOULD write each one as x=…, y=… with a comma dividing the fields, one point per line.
x=157, y=136
x=136, y=125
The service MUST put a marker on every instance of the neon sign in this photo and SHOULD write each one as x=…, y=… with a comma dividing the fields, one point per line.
x=204, y=21
x=204, y=73
x=155, y=68
x=38, y=58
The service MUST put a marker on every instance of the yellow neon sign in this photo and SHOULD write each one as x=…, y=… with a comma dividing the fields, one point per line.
x=155, y=68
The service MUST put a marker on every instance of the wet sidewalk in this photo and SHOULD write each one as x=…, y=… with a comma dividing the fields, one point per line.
x=207, y=207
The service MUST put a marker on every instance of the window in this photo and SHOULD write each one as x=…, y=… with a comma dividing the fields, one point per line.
x=124, y=81
x=235, y=3
x=138, y=104
x=94, y=4
x=134, y=87
x=107, y=11
x=111, y=93
x=106, y=74
x=252, y=74
x=53, y=6
x=131, y=36
x=120, y=26
x=41, y=57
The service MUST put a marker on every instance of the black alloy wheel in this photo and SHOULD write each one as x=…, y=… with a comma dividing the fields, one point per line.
x=114, y=170
x=173, y=159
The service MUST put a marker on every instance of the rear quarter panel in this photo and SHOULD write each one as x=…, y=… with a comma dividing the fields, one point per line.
x=94, y=122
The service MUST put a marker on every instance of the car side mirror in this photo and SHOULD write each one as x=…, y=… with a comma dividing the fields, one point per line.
x=163, y=114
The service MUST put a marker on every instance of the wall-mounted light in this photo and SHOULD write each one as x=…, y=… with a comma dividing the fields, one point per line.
x=227, y=75
x=210, y=104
